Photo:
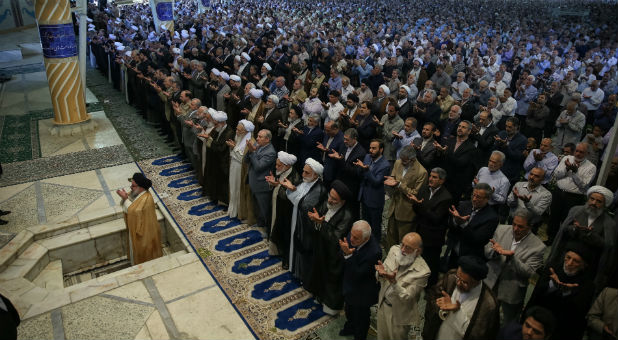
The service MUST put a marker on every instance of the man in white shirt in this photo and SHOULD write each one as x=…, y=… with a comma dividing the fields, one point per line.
x=458, y=86
x=592, y=96
x=492, y=175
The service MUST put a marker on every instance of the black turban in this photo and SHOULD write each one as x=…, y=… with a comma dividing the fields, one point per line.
x=580, y=249
x=353, y=97
x=473, y=266
x=141, y=180
x=342, y=190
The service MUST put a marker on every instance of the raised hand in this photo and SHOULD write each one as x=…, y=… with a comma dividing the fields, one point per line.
x=320, y=146
x=122, y=193
x=554, y=277
x=456, y=214
x=230, y=143
x=415, y=199
x=345, y=247
x=445, y=303
x=361, y=164
x=315, y=217
x=270, y=179
x=498, y=248
x=335, y=155
x=439, y=147
x=390, y=181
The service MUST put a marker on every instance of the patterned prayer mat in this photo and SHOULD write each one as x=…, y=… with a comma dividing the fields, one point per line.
x=269, y=299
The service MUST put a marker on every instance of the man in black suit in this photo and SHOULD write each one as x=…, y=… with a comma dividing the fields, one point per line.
x=361, y=252
x=350, y=174
x=458, y=156
x=512, y=143
x=483, y=135
x=471, y=226
x=310, y=136
x=333, y=139
x=426, y=152
x=432, y=211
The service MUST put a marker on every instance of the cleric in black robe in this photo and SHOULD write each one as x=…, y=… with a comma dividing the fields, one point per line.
x=306, y=196
x=281, y=206
x=217, y=151
x=332, y=220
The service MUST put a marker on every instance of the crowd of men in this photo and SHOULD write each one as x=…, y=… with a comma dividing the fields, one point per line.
x=341, y=128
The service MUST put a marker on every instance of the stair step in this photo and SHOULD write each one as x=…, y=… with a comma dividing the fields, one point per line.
x=28, y=265
x=14, y=248
x=51, y=277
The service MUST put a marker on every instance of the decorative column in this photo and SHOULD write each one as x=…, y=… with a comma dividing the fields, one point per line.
x=61, y=62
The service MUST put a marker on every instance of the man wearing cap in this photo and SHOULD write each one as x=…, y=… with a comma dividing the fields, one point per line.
x=222, y=89
x=461, y=305
x=378, y=107
x=243, y=69
x=257, y=106
x=261, y=158
x=402, y=277
x=233, y=100
x=403, y=100
x=218, y=156
x=304, y=197
x=567, y=291
x=270, y=117
x=591, y=226
x=144, y=242
x=407, y=178
x=514, y=255
x=333, y=221
x=281, y=216
x=244, y=130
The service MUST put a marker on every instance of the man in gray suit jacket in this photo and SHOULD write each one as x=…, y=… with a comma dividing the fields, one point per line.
x=261, y=158
x=514, y=254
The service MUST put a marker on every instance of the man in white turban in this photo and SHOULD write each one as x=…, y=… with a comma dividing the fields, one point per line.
x=282, y=207
x=218, y=156
x=591, y=226
x=237, y=146
x=304, y=197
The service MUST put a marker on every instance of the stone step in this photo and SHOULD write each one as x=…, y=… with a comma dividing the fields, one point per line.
x=12, y=54
x=14, y=248
x=28, y=265
x=51, y=277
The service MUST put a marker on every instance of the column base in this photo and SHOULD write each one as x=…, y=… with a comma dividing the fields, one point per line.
x=73, y=129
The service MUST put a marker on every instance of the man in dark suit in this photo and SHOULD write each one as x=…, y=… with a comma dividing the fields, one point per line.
x=310, y=136
x=483, y=135
x=361, y=252
x=371, y=194
x=350, y=174
x=261, y=158
x=458, y=157
x=432, y=211
x=333, y=139
x=512, y=143
x=471, y=226
x=426, y=152
x=271, y=116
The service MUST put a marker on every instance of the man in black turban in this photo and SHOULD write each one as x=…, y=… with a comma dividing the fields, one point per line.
x=461, y=306
x=332, y=220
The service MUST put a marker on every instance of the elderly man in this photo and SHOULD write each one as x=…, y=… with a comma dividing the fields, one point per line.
x=592, y=97
x=591, y=226
x=407, y=178
x=389, y=127
x=404, y=96
x=304, y=197
x=471, y=226
x=350, y=174
x=573, y=175
x=141, y=220
x=406, y=136
x=373, y=169
x=484, y=136
x=309, y=137
x=542, y=158
x=281, y=216
x=378, y=107
x=426, y=109
x=567, y=291
x=512, y=143
x=569, y=126
x=461, y=305
x=333, y=221
x=237, y=146
x=270, y=117
x=525, y=94
x=514, y=255
x=492, y=175
x=256, y=106
x=459, y=86
x=261, y=158
x=448, y=125
x=531, y=196
x=218, y=153
x=402, y=277
x=361, y=253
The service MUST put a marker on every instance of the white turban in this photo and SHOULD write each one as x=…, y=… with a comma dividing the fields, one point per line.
x=111, y=36
x=246, y=56
x=120, y=48
x=407, y=88
x=91, y=29
x=215, y=72
x=192, y=30
x=212, y=111
x=237, y=58
x=184, y=34
x=247, y=124
x=225, y=76
x=385, y=89
x=117, y=44
x=88, y=19
x=609, y=196
x=219, y=116
x=286, y=158
x=127, y=53
x=268, y=67
x=315, y=166
x=133, y=27
x=255, y=93
x=234, y=77
x=176, y=50
x=420, y=61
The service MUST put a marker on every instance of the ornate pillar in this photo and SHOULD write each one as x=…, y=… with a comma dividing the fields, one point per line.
x=61, y=63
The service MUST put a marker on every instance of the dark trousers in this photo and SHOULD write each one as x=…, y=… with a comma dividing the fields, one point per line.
x=431, y=255
x=357, y=320
x=562, y=202
x=374, y=217
x=262, y=201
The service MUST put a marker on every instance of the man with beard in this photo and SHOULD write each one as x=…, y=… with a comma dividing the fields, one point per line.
x=365, y=124
x=407, y=178
x=530, y=195
x=424, y=146
x=374, y=168
x=189, y=122
x=426, y=110
x=333, y=221
x=333, y=139
x=270, y=118
x=492, y=175
x=406, y=136
x=304, y=198
x=542, y=158
x=567, y=291
x=389, y=127
x=539, y=324
x=512, y=143
x=281, y=216
x=573, y=175
x=461, y=306
x=403, y=100
x=378, y=107
x=350, y=112
x=141, y=220
x=514, y=255
x=261, y=159
x=402, y=277
x=233, y=100
x=310, y=135
x=220, y=90
x=592, y=227
x=244, y=129
x=256, y=106
x=361, y=252
x=218, y=168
